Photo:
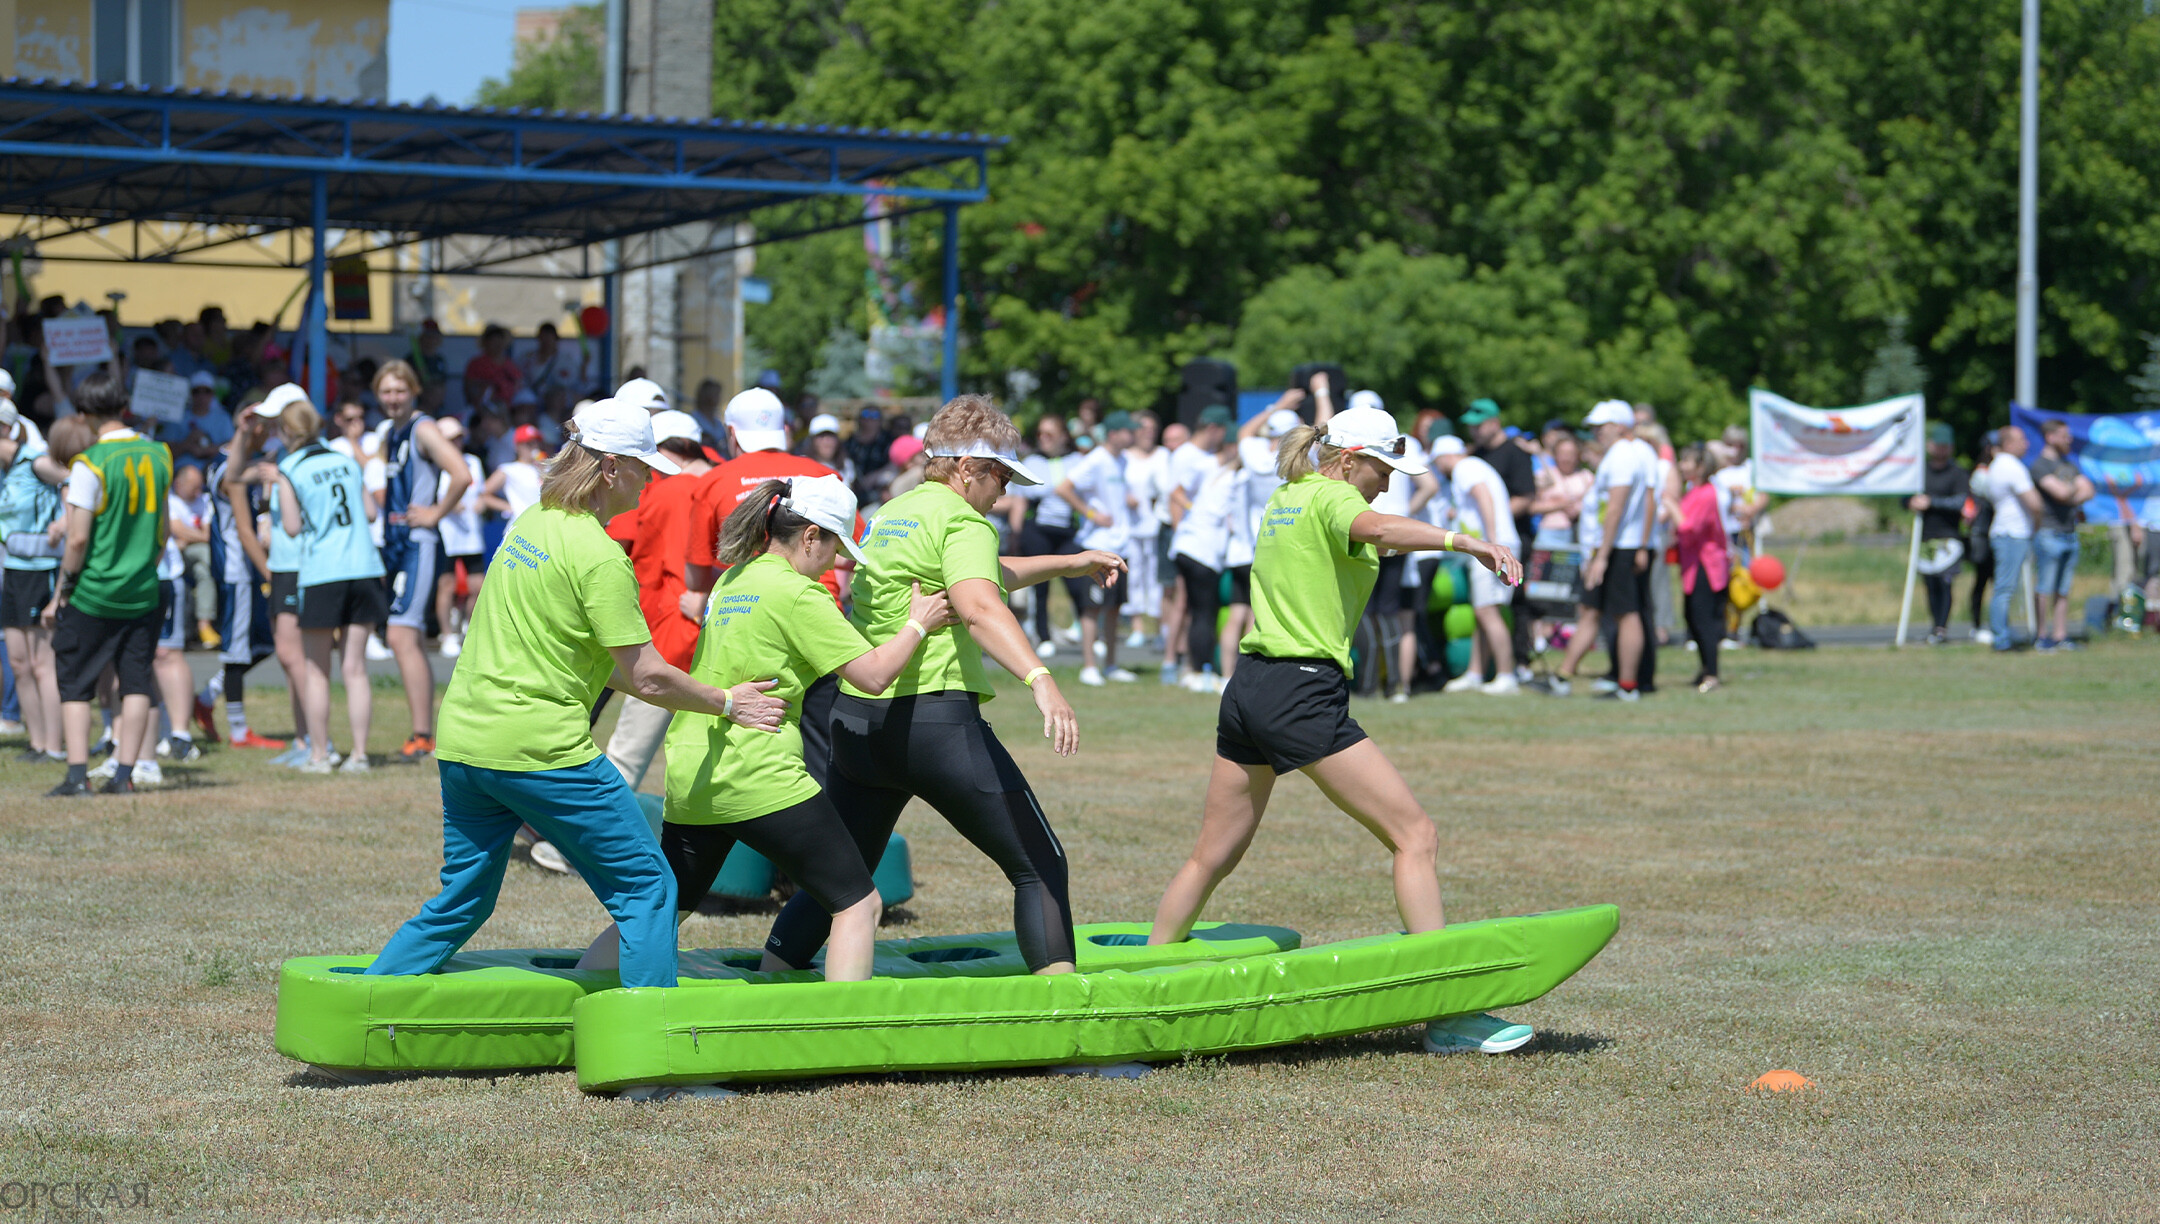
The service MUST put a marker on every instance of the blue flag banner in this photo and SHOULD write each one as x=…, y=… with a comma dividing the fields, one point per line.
x=2119, y=454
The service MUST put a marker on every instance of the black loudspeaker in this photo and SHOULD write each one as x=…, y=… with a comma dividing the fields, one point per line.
x=1207, y=383
x=1338, y=386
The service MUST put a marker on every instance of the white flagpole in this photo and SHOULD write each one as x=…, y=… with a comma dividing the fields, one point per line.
x=1912, y=570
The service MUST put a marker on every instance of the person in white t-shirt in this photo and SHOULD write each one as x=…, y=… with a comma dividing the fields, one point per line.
x=1737, y=492
x=1096, y=489
x=1192, y=462
x=464, y=559
x=1616, y=564
x=1396, y=593
x=1147, y=478
x=2017, y=503
x=516, y=485
x=1481, y=504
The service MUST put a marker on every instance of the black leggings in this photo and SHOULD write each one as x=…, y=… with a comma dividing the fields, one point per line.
x=937, y=746
x=1983, y=573
x=807, y=841
x=1037, y=540
x=1706, y=621
x=1203, y=601
x=1940, y=600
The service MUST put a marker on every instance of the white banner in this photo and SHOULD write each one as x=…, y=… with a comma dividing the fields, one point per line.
x=77, y=340
x=159, y=396
x=1867, y=451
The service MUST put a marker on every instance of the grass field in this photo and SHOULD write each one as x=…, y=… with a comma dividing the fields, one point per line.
x=1925, y=880
x=1840, y=582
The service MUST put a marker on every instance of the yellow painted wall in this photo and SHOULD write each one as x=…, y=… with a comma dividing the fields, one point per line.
x=322, y=48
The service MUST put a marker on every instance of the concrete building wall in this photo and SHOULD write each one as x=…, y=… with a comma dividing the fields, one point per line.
x=323, y=48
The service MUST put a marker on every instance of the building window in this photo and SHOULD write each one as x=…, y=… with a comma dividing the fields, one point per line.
x=136, y=42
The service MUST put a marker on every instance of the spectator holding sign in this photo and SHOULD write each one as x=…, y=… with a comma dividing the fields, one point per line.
x=197, y=436
x=2062, y=489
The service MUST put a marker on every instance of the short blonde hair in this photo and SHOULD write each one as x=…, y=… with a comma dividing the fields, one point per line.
x=299, y=424
x=400, y=370
x=966, y=420
x=574, y=477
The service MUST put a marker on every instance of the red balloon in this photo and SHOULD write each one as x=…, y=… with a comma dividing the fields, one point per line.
x=1767, y=571
x=593, y=320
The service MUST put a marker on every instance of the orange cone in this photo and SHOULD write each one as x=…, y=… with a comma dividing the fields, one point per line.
x=1782, y=1081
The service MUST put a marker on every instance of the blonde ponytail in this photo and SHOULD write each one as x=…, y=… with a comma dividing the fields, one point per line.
x=1294, y=461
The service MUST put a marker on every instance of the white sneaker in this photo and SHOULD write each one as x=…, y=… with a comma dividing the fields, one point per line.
x=1505, y=686
x=1120, y=675
x=1136, y=639
x=1464, y=683
x=1046, y=649
x=1068, y=635
x=164, y=748
x=1691, y=647
x=356, y=763
x=1101, y=651
x=328, y=765
x=1731, y=644
x=453, y=645
x=148, y=773
x=10, y=727
x=1091, y=676
x=1398, y=697
x=105, y=770
x=1558, y=686
x=1483, y=1033
x=1524, y=675
x=1601, y=686
x=1983, y=637
x=544, y=854
x=377, y=652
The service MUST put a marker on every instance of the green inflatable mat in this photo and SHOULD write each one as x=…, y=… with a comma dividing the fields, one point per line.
x=504, y=1010
x=735, y=1030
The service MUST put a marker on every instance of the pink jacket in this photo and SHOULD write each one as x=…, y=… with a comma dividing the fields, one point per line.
x=1701, y=539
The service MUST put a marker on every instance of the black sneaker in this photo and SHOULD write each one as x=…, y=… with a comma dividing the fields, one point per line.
x=31, y=756
x=117, y=785
x=185, y=749
x=69, y=788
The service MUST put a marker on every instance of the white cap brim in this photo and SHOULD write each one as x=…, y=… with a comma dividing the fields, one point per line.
x=659, y=463
x=1014, y=469
x=850, y=547
x=1401, y=463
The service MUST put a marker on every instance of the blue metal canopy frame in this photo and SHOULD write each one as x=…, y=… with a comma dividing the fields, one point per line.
x=233, y=168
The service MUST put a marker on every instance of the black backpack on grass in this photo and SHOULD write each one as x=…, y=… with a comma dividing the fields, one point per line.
x=1775, y=631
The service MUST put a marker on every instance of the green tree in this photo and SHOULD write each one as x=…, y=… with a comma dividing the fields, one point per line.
x=562, y=73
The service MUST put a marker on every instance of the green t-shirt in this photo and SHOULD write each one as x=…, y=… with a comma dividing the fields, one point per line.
x=927, y=535
x=1309, y=580
x=559, y=593
x=765, y=622
x=127, y=535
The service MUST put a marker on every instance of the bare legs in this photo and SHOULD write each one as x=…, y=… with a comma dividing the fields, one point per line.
x=315, y=701
x=1233, y=632
x=1362, y=782
x=285, y=636
x=418, y=679
x=37, y=686
x=1495, y=642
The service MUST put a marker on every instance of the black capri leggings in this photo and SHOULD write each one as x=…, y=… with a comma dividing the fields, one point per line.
x=1203, y=601
x=807, y=841
x=937, y=746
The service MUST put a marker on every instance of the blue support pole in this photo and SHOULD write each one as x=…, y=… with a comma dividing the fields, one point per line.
x=610, y=301
x=949, y=379
x=317, y=321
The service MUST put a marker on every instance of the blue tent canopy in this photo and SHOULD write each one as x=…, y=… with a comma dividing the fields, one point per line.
x=186, y=172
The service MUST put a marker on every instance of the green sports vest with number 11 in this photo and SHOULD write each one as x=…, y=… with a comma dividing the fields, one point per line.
x=119, y=579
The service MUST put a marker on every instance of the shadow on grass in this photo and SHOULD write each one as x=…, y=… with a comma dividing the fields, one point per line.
x=330, y=1079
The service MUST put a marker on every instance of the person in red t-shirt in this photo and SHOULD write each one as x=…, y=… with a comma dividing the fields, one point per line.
x=653, y=535
x=757, y=437
x=492, y=373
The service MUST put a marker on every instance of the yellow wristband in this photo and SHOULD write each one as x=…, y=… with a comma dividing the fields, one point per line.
x=1447, y=542
x=1033, y=676
x=727, y=708
x=916, y=625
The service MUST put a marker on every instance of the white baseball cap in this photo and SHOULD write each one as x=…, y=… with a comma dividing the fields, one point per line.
x=642, y=393
x=7, y=382
x=1366, y=399
x=1369, y=431
x=1448, y=444
x=980, y=449
x=828, y=502
x=759, y=422
x=202, y=378
x=824, y=422
x=1280, y=422
x=1611, y=412
x=612, y=427
x=281, y=397
x=674, y=423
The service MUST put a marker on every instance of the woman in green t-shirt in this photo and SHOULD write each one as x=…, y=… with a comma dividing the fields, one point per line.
x=926, y=737
x=558, y=621
x=1287, y=707
x=770, y=618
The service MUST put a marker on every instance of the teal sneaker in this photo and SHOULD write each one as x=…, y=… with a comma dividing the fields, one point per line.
x=1480, y=1033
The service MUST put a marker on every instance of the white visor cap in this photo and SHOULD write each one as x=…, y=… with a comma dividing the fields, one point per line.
x=828, y=502
x=983, y=450
x=1369, y=431
x=612, y=427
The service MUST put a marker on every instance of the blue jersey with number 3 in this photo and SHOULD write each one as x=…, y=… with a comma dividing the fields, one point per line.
x=335, y=544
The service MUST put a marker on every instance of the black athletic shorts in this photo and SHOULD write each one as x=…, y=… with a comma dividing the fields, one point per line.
x=85, y=645
x=1241, y=584
x=334, y=605
x=446, y=565
x=816, y=725
x=1625, y=590
x=23, y=596
x=1388, y=593
x=284, y=594
x=1112, y=597
x=808, y=842
x=1285, y=713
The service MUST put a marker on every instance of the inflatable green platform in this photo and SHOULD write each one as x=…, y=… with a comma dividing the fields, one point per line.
x=758, y=1028
x=502, y=1010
